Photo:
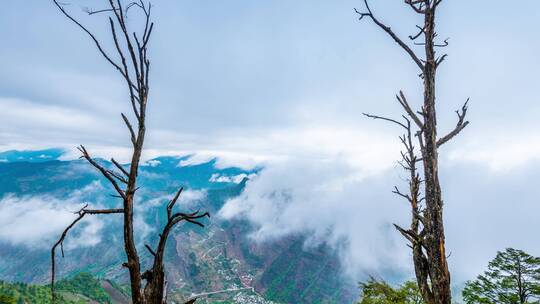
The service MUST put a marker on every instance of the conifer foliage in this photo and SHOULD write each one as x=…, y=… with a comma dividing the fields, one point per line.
x=512, y=277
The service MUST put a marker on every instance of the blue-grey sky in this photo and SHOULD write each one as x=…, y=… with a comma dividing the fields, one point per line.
x=241, y=70
x=284, y=83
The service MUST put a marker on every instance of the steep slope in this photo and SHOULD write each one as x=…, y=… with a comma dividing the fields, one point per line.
x=220, y=260
x=82, y=288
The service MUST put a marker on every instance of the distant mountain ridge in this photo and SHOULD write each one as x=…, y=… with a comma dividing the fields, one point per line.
x=31, y=155
x=199, y=260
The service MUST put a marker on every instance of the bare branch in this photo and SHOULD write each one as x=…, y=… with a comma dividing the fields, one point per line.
x=131, y=85
x=119, y=166
x=92, y=36
x=103, y=171
x=118, y=176
x=407, y=234
x=413, y=4
x=192, y=218
x=121, y=20
x=389, y=31
x=132, y=4
x=81, y=213
x=150, y=249
x=386, y=119
x=172, y=202
x=157, y=269
x=439, y=60
x=406, y=196
x=403, y=101
x=130, y=128
x=444, y=44
x=422, y=31
x=93, y=12
x=461, y=124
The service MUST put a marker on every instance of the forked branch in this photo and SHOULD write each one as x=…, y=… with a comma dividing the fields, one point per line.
x=155, y=276
x=106, y=173
x=461, y=124
x=81, y=213
x=120, y=167
x=173, y=219
x=172, y=202
x=422, y=31
x=389, y=31
x=92, y=36
x=405, y=104
x=417, y=5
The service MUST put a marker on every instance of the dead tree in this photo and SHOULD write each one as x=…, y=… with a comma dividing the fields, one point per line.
x=426, y=232
x=132, y=63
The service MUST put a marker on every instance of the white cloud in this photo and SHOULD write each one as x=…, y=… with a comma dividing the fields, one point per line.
x=331, y=203
x=501, y=151
x=35, y=221
x=374, y=151
x=152, y=163
x=487, y=212
x=40, y=115
x=334, y=203
x=219, y=178
x=371, y=150
x=195, y=159
x=38, y=220
x=187, y=198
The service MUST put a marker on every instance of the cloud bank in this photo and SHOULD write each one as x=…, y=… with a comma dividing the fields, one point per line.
x=331, y=203
x=334, y=203
x=35, y=221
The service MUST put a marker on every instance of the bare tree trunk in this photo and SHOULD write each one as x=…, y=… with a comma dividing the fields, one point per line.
x=133, y=263
x=134, y=67
x=426, y=233
x=435, y=239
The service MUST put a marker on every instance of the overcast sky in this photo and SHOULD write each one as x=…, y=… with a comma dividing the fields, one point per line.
x=284, y=83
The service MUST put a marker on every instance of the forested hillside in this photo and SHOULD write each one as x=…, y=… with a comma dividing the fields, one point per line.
x=82, y=288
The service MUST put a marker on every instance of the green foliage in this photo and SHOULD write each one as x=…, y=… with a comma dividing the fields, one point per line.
x=512, y=277
x=298, y=276
x=380, y=292
x=84, y=284
x=6, y=299
x=20, y=293
x=123, y=289
x=80, y=289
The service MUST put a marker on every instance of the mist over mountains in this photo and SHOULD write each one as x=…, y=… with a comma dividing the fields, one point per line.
x=310, y=226
x=39, y=194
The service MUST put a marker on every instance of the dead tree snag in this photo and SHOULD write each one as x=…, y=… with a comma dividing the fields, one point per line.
x=133, y=65
x=426, y=231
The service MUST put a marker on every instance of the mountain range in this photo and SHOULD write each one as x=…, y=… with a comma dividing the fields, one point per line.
x=38, y=189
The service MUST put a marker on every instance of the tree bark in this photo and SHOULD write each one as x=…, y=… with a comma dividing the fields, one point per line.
x=435, y=238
